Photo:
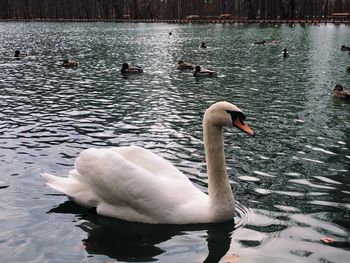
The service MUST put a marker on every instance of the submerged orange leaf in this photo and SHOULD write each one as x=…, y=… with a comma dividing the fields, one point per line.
x=230, y=259
x=327, y=240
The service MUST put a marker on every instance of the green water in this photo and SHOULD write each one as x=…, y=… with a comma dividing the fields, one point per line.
x=291, y=181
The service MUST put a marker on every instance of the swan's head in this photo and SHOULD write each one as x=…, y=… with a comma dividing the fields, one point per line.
x=226, y=114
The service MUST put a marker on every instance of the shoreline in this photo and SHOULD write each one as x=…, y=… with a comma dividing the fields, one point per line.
x=187, y=21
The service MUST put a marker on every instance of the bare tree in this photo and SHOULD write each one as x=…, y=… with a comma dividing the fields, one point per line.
x=169, y=9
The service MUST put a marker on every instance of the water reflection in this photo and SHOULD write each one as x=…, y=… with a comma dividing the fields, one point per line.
x=135, y=242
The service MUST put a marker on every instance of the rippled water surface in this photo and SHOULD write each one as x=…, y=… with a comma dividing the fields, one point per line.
x=291, y=182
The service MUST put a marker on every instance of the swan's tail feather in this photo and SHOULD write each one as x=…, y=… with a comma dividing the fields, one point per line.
x=61, y=184
x=74, y=189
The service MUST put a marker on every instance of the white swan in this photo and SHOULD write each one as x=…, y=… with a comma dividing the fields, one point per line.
x=134, y=184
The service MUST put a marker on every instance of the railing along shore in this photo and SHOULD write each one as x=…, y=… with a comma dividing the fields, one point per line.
x=187, y=21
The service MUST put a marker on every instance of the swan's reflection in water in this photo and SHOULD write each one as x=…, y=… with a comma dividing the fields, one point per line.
x=135, y=242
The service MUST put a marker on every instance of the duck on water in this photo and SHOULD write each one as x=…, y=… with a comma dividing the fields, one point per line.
x=126, y=68
x=203, y=72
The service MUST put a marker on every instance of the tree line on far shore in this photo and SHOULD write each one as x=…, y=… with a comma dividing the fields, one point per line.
x=169, y=9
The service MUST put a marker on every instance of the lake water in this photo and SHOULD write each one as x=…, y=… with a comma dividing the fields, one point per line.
x=291, y=182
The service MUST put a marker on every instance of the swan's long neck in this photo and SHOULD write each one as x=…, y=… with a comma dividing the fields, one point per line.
x=220, y=193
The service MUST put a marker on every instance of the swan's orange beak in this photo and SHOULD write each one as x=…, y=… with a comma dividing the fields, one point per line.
x=243, y=126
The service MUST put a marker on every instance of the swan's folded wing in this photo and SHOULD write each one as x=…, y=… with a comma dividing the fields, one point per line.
x=149, y=161
x=123, y=183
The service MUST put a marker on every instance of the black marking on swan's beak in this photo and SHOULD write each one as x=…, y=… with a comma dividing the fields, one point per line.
x=238, y=121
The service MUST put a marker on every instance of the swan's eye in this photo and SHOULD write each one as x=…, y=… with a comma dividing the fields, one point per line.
x=237, y=115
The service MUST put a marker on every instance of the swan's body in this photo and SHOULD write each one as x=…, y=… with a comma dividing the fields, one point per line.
x=134, y=184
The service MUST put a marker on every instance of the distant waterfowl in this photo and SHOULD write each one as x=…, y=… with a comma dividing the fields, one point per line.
x=285, y=53
x=345, y=48
x=203, y=45
x=133, y=184
x=170, y=33
x=340, y=93
x=260, y=42
x=19, y=54
x=70, y=63
x=203, y=72
x=184, y=65
x=126, y=68
x=348, y=68
x=275, y=42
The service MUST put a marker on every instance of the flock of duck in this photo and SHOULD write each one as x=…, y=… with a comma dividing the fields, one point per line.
x=181, y=65
x=198, y=71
